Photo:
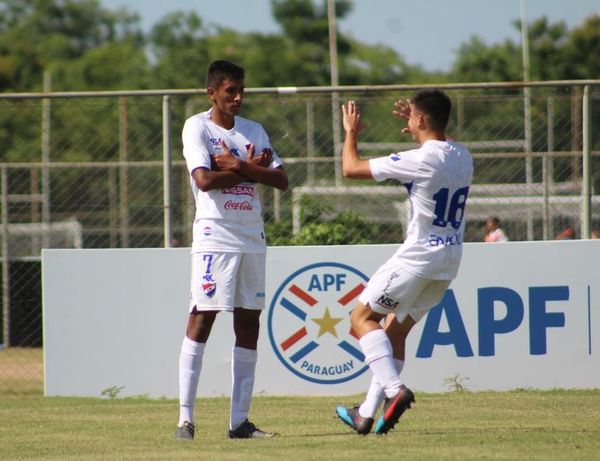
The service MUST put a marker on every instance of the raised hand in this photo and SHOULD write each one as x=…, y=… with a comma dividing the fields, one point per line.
x=351, y=116
x=402, y=111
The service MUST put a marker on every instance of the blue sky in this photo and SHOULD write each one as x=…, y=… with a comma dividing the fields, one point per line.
x=424, y=32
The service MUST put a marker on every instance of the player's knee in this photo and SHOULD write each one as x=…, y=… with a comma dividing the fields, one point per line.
x=200, y=325
x=247, y=337
x=246, y=326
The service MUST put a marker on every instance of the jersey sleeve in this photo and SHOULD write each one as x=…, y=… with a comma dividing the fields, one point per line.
x=195, y=141
x=403, y=166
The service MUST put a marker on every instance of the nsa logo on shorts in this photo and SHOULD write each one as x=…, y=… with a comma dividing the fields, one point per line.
x=309, y=323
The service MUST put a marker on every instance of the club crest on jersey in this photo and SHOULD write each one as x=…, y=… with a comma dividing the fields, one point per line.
x=209, y=285
x=309, y=323
x=216, y=143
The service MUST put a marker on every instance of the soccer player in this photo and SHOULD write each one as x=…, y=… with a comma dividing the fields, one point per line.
x=437, y=176
x=227, y=157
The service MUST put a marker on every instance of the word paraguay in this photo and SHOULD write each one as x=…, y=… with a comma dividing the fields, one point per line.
x=324, y=370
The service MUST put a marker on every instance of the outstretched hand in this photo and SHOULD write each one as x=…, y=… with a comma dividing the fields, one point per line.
x=402, y=111
x=351, y=117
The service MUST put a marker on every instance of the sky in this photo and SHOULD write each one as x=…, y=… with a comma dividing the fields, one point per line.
x=425, y=32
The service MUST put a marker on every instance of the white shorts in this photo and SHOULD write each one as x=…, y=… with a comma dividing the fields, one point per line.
x=394, y=289
x=222, y=281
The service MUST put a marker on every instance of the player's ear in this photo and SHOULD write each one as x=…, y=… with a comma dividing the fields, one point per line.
x=210, y=92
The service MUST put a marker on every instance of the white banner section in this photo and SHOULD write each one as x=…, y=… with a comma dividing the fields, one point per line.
x=519, y=315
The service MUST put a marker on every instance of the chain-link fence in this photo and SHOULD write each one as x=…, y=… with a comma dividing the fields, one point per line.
x=105, y=170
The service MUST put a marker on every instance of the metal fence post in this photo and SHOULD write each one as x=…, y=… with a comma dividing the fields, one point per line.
x=167, y=206
x=5, y=261
x=335, y=97
x=586, y=193
x=123, y=172
x=46, y=113
x=547, y=169
x=310, y=142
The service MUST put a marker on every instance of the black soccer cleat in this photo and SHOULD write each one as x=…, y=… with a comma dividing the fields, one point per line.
x=393, y=409
x=352, y=418
x=185, y=432
x=248, y=430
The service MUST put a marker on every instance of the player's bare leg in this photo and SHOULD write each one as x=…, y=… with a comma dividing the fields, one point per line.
x=398, y=332
x=200, y=324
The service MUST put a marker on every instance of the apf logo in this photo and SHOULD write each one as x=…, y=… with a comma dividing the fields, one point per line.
x=309, y=323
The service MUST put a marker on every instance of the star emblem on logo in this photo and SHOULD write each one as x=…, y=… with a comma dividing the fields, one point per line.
x=327, y=323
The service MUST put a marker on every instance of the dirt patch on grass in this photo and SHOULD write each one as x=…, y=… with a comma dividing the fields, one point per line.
x=21, y=369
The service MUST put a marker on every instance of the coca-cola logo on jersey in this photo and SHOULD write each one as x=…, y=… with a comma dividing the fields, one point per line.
x=241, y=206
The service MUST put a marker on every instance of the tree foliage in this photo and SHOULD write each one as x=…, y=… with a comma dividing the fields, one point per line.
x=86, y=46
x=40, y=35
x=555, y=54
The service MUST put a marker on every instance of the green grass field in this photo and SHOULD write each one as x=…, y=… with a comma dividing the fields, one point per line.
x=517, y=425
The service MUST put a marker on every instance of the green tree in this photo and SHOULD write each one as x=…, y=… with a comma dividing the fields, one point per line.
x=39, y=35
x=179, y=45
x=478, y=62
x=306, y=33
x=580, y=51
x=556, y=53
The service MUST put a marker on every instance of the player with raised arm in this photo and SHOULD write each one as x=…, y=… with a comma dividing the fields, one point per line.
x=227, y=156
x=437, y=176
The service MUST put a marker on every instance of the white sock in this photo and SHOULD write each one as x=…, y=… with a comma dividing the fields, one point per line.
x=378, y=355
x=190, y=364
x=375, y=394
x=243, y=364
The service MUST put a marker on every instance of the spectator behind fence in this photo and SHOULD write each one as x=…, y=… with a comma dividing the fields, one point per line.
x=567, y=234
x=493, y=232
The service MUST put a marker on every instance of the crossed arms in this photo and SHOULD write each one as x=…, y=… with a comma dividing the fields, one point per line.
x=229, y=171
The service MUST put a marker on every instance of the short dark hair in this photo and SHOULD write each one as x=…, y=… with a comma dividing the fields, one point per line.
x=220, y=70
x=435, y=105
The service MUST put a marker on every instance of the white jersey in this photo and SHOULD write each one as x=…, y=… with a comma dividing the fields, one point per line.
x=437, y=176
x=226, y=219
